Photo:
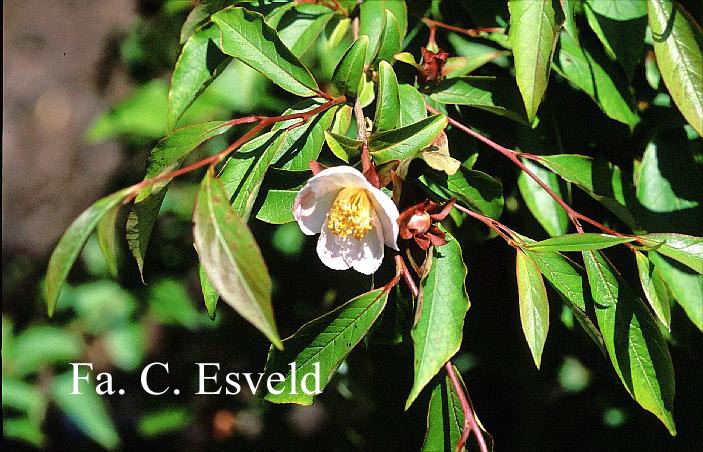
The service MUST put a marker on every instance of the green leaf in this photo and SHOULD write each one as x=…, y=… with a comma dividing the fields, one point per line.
x=534, y=28
x=22, y=396
x=619, y=9
x=342, y=146
x=534, y=306
x=622, y=38
x=636, y=347
x=87, y=410
x=587, y=241
x=199, y=63
x=391, y=41
x=347, y=75
x=445, y=418
x=388, y=102
x=474, y=188
x=246, y=36
x=243, y=173
x=493, y=94
x=23, y=429
x=302, y=143
x=569, y=8
x=210, y=295
x=324, y=342
x=684, y=248
x=587, y=67
x=412, y=105
x=141, y=115
x=39, y=346
x=277, y=207
x=441, y=307
x=167, y=155
x=405, y=142
x=107, y=238
x=231, y=257
x=679, y=57
x=568, y=279
x=372, y=17
x=655, y=290
x=309, y=21
x=474, y=56
x=71, y=243
x=339, y=32
x=685, y=286
x=669, y=186
x=164, y=421
x=545, y=209
x=602, y=180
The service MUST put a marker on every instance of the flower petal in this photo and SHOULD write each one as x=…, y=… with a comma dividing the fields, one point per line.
x=330, y=252
x=310, y=210
x=364, y=256
x=335, y=179
x=387, y=214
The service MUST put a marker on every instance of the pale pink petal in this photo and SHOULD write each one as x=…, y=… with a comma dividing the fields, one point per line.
x=368, y=253
x=336, y=178
x=330, y=252
x=387, y=214
x=310, y=210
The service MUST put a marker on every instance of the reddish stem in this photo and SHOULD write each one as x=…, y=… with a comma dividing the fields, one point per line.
x=264, y=122
x=472, y=32
x=514, y=156
x=400, y=264
x=470, y=424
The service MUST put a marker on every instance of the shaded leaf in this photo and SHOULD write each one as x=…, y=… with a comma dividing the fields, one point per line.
x=602, y=180
x=107, y=238
x=543, y=207
x=277, y=207
x=304, y=29
x=587, y=67
x=342, y=146
x=493, y=94
x=167, y=155
x=476, y=189
x=231, y=257
x=71, y=243
x=210, y=295
x=412, y=105
x=87, y=410
x=324, y=342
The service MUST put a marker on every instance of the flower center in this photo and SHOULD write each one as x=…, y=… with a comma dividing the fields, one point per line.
x=350, y=214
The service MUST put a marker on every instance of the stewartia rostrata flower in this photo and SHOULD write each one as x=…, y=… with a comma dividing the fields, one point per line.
x=354, y=219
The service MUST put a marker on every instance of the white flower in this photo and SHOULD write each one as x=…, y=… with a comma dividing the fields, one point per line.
x=354, y=219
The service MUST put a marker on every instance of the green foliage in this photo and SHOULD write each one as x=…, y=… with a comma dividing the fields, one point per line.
x=638, y=162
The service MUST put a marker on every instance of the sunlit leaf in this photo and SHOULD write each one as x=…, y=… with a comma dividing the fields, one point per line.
x=636, y=347
x=231, y=257
x=534, y=306
x=441, y=307
x=240, y=36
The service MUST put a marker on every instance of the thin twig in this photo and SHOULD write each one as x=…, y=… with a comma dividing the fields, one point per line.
x=471, y=32
x=470, y=424
x=263, y=122
x=514, y=156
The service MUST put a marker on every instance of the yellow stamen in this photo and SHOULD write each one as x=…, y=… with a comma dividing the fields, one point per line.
x=350, y=214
